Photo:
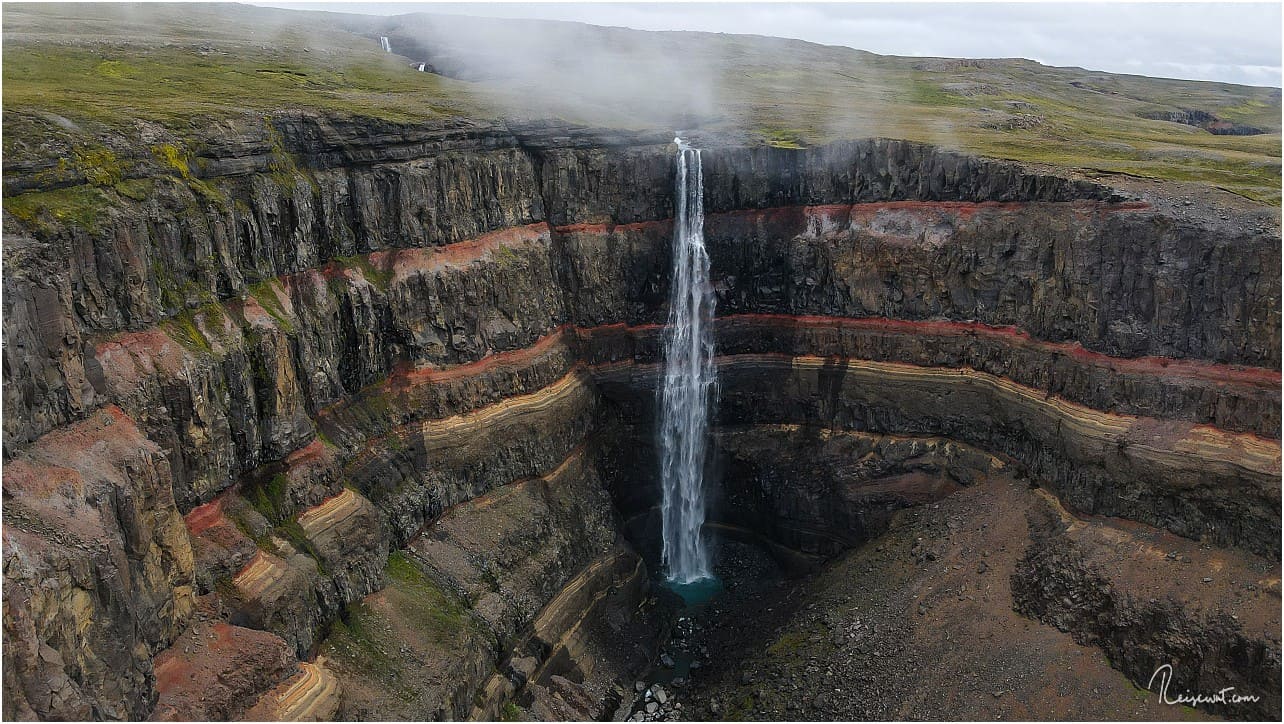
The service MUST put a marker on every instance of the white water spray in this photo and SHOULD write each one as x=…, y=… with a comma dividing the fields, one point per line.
x=689, y=384
x=383, y=43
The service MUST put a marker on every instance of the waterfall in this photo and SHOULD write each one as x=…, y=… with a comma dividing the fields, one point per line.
x=383, y=43
x=689, y=384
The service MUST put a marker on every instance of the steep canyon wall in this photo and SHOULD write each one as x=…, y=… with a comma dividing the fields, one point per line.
x=324, y=341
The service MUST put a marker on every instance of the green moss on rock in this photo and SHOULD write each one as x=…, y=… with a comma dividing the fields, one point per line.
x=268, y=497
x=99, y=166
x=173, y=158
x=79, y=206
x=382, y=641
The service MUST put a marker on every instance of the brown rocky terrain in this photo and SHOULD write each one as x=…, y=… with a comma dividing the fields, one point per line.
x=332, y=416
x=919, y=623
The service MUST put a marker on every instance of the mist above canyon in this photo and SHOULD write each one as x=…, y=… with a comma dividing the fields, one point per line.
x=332, y=386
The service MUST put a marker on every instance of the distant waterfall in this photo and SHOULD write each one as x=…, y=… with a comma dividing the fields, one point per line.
x=383, y=43
x=689, y=384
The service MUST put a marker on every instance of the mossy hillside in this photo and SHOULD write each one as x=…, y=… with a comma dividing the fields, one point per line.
x=1082, y=129
x=186, y=91
x=268, y=497
x=384, y=639
x=112, y=184
x=792, y=94
x=178, y=161
x=437, y=614
x=78, y=206
x=180, y=284
x=214, y=66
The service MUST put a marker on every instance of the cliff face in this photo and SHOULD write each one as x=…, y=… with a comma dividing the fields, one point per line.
x=319, y=341
x=98, y=571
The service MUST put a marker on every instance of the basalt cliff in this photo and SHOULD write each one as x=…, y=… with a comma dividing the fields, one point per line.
x=372, y=436
x=316, y=414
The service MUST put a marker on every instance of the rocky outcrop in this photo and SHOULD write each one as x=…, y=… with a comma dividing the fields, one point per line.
x=320, y=341
x=409, y=650
x=275, y=592
x=1116, y=279
x=98, y=572
x=193, y=240
x=1205, y=120
x=1227, y=397
x=346, y=533
x=821, y=491
x=920, y=622
x=1165, y=603
x=509, y=552
x=311, y=695
x=215, y=670
x=577, y=634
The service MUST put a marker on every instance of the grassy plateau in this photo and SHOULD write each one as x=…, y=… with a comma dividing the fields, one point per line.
x=76, y=74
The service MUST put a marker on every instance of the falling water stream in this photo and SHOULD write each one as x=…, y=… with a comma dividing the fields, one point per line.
x=688, y=388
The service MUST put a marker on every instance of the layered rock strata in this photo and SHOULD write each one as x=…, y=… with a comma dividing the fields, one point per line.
x=1196, y=480
x=329, y=343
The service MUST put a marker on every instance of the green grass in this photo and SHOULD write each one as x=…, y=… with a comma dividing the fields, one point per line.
x=265, y=294
x=182, y=328
x=268, y=497
x=135, y=189
x=99, y=166
x=174, y=157
x=505, y=257
x=365, y=644
x=381, y=278
x=183, y=90
x=791, y=138
x=359, y=643
x=432, y=610
x=789, y=644
x=224, y=64
x=293, y=533
x=78, y=206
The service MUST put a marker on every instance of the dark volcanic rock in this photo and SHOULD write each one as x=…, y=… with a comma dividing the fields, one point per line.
x=336, y=338
x=1067, y=581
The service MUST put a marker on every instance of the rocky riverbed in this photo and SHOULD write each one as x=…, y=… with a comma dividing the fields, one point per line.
x=700, y=636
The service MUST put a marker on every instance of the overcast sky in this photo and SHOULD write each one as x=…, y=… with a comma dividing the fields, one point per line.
x=1234, y=42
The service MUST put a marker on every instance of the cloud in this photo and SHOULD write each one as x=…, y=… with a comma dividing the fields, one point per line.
x=1229, y=42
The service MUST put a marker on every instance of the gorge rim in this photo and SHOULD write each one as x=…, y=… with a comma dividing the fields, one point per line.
x=363, y=367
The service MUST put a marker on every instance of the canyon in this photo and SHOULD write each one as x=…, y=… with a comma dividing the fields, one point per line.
x=443, y=347
x=311, y=415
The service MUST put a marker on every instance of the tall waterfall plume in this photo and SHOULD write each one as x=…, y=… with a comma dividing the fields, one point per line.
x=690, y=382
x=383, y=43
